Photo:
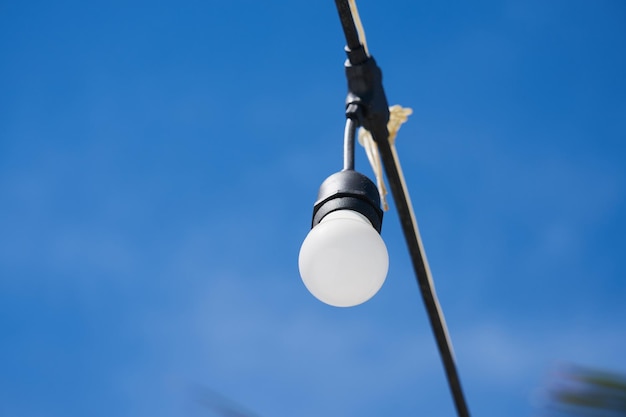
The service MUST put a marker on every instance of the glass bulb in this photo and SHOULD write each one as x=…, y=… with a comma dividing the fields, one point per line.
x=343, y=260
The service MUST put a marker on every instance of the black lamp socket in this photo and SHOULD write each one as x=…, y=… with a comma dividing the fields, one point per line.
x=348, y=190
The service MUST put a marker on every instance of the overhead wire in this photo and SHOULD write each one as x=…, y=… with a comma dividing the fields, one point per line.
x=397, y=116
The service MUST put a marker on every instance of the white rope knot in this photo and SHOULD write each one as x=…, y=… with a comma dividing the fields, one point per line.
x=397, y=116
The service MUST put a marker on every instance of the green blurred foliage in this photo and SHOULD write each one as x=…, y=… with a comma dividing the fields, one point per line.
x=579, y=391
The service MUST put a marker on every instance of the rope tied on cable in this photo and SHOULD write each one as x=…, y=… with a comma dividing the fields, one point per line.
x=397, y=116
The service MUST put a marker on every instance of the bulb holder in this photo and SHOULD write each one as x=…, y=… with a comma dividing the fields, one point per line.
x=348, y=190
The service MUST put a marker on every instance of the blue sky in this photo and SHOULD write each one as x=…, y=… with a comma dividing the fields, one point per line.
x=158, y=166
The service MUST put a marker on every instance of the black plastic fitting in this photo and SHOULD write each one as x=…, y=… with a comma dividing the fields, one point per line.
x=366, y=100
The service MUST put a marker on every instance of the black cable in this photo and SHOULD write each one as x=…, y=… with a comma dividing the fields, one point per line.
x=419, y=266
x=366, y=99
x=349, y=28
x=348, y=144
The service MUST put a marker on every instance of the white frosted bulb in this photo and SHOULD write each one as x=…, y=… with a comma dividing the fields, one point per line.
x=343, y=260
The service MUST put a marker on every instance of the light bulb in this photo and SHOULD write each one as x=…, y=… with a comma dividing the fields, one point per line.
x=343, y=261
